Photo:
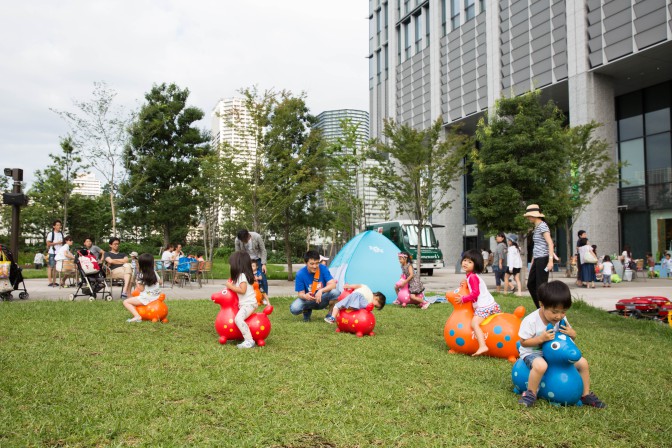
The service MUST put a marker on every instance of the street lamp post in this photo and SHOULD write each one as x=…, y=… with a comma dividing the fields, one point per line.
x=17, y=200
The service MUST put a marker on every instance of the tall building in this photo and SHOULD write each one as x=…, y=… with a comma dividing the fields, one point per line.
x=329, y=122
x=87, y=185
x=232, y=124
x=608, y=61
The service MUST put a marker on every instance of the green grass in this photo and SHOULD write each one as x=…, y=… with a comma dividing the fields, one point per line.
x=75, y=374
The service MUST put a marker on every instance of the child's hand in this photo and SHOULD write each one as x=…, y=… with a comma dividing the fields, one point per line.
x=460, y=299
x=547, y=335
x=229, y=283
x=569, y=331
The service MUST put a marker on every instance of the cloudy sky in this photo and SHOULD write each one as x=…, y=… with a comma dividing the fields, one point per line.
x=52, y=52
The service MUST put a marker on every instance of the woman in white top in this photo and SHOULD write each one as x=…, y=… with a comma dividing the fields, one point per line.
x=513, y=263
x=63, y=253
x=167, y=257
x=626, y=256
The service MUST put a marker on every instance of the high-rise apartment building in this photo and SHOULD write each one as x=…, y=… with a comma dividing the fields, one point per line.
x=87, y=185
x=232, y=124
x=329, y=122
x=608, y=61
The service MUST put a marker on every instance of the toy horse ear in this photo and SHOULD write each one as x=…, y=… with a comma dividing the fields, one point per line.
x=549, y=327
x=563, y=323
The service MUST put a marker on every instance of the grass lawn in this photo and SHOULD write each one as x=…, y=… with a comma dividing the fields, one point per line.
x=75, y=374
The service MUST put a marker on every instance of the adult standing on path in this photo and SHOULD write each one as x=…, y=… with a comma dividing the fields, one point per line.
x=579, y=276
x=499, y=260
x=253, y=244
x=54, y=242
x=542, y=262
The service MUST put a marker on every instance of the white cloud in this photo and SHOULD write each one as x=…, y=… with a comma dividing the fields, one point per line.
x=54, y=51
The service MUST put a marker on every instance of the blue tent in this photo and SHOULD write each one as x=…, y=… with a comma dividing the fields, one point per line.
x=371, y=259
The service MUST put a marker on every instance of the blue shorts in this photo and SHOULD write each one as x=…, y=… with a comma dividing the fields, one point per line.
x=52, y=260
x=529, y=359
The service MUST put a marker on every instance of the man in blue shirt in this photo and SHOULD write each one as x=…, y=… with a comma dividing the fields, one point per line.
x=315, y=286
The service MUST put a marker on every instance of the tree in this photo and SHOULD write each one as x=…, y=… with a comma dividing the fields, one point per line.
x=90, y=218
x=527, y=155
x=163, y=159
x=592, y=170
x=224, y=191
x=46, y=201
x=296, y=161
x=340, y=195
x=99, y=129
x=69, y=163
x=417, y=168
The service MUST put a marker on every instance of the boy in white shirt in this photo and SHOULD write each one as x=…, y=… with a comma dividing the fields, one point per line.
x=555, y=299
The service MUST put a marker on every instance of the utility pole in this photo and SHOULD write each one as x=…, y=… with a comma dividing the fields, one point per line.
x=17, y=200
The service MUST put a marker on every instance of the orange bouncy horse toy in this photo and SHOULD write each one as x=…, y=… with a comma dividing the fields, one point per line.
x=500, y=330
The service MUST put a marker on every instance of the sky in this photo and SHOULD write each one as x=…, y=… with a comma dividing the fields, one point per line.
x=53, y=52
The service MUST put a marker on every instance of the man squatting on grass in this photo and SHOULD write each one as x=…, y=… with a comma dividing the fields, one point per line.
x=315, y=286
x=555, y=299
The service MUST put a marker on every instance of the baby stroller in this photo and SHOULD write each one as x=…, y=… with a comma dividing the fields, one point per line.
x=91, y=277
x=12, y=277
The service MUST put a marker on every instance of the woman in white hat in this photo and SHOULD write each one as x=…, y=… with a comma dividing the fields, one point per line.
x=542, y=263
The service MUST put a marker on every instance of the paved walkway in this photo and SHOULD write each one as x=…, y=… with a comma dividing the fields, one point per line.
x=443, y=280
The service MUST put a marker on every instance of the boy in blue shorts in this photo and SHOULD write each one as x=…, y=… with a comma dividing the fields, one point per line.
x=555, y=300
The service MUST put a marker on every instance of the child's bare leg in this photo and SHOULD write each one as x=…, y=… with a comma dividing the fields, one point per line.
x=584, y=371
x=130, y=305
x=476, y=326
x=334, y=313
x=539, y=367
x=506, y=283
x=415, y=300
x=520, y=291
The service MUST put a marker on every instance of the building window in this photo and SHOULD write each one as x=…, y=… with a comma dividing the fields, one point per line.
x=407, y=41
x=481, y=5
x=418, y=33
x=454, y=14
x=378, y=65
x=427, y=26
x=378, y=28
x=387, y=62
x=443, y=17
x=386, y=18
x=406, y=2
x=399, y=45
x=469, y=9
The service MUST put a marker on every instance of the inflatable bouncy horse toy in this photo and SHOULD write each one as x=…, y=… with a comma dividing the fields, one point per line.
x=500, y=330
x=259, y=324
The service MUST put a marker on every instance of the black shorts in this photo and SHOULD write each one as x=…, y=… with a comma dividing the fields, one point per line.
x=514, y=271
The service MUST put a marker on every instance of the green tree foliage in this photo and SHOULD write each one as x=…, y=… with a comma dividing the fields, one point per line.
x=417, y=168
x=70, y=162
x=163, y=159
x=90, y=218
x=100, y=129
x=528, y=155
x=296, y=161
x=343, y=207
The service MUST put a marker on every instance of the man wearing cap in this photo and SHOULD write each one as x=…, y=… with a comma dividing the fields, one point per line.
x=253, y=244
x=542, y=262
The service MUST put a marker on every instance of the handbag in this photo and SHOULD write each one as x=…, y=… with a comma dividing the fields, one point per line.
x=5, y=266
x=589, y=257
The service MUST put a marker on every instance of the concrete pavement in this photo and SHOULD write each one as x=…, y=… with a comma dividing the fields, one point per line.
x=442, y=281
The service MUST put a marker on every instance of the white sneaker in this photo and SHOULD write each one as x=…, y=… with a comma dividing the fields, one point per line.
x=246, y=344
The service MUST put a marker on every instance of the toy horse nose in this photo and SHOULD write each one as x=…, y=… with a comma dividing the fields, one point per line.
x=574, y=356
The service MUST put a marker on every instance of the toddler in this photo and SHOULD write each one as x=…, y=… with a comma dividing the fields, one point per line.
x=258, y=277
x=358, y=299
x=483, y=302
x=555, y=300
x=241, y=282
x=147, y=289
x=607, y=270
x=415, y=286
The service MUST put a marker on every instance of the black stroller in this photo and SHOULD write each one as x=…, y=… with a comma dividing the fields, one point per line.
x=91, y=278
x=15, y=277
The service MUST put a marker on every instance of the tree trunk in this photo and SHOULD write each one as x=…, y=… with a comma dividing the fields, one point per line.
x=166, y=237
x=288, y=252
x=419, y=248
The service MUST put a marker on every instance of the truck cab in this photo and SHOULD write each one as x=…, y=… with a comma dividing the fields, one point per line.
x=404, y=234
